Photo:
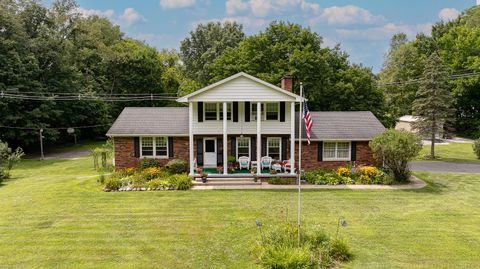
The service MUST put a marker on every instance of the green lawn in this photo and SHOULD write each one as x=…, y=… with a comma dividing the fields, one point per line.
x=52, y=216
x=453, y=152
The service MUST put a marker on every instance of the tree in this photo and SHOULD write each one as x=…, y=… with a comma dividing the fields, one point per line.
x=396, y=149
x=433, y=102
x=205, y=44
x=330, y=82
x=8, y=159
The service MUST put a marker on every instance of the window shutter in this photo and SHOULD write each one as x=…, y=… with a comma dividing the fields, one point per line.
x=235, y=112
x=247, y=111
x=219, y=151
x=200, y=151
x=234, y=147
x=170, y=147
x=254, y=149
x=353, y=152
x=284, y=148
x=282, y=111
x=320, y=151
x=264, y=146
x=136, y=147
x=200, y=111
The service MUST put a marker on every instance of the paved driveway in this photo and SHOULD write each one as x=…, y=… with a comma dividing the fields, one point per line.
x=445, y=167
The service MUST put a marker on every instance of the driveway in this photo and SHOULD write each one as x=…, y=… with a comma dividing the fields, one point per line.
x=434, y=166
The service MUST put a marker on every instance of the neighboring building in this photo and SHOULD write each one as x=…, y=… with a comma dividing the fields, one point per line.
x=406, y=123
x=260, y=121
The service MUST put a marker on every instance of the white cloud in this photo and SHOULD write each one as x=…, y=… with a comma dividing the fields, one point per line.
x=262, y=8
x=349, y=15
x=385, y=32
x=94, y=12
x=130, y=16
x=235, y=6
x=172, y=4
x=448, y=14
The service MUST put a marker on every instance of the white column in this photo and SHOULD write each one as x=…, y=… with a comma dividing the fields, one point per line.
x=225, y=151
x=190, y=136
x=259, y=136
x=292, y=138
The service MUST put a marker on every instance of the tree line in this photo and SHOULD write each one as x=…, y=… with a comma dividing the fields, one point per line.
x=55, y=49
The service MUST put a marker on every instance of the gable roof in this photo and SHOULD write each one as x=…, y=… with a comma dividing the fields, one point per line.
x=342, y=125
x=186, y=98
x=137, y=121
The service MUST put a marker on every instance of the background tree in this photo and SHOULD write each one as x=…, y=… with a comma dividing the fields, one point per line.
x=433, y=102
x=205, y=44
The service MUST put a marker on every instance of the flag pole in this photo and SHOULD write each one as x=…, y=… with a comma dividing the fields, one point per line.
x=300, y=115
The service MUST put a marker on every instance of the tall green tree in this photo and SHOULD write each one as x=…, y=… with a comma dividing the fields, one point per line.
x=433, y=102
x=205, y=44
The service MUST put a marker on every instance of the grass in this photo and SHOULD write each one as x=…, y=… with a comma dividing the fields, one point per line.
x=52, y=214
x=452, y=152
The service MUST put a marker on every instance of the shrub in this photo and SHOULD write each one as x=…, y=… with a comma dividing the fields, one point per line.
x=8, y=159
x=158, y=184
x=180, y=182
x=287, y=257
x=339, y=250
x=396, y=149
x=176, y=166
x=343, y=171
x=150, y=173
x=101, y=179
x=113, y=184
x=282, y=181
x=476, y=148
x=148, y=162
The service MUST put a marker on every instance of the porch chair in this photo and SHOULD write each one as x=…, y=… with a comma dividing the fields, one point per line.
x=286, y=165
x=266, y=162
x=244, y=162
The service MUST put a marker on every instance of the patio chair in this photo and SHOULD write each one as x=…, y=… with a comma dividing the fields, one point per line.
x=266, y=162
x=286, y=166
x=244, y=162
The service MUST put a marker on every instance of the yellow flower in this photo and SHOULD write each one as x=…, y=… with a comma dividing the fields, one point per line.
x=343, y=171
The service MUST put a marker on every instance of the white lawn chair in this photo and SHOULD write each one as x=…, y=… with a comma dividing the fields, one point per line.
x=266, y=162
x=244, y=162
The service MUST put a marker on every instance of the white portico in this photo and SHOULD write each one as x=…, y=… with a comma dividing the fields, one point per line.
x=241, y=116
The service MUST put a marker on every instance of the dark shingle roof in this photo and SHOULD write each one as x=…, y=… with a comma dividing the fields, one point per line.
x=343, y=125
x=151, y=121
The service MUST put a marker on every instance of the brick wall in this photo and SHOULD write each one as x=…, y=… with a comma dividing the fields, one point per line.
x=125, y=152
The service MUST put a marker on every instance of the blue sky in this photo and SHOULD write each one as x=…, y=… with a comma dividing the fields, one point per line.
x=363, y=28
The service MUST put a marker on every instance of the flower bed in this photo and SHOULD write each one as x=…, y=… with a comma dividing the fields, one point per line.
x=364, y=175
x=146, y=179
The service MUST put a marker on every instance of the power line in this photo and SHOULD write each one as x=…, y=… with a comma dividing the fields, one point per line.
x=54, y=128
x=50, y=96
x=413, y=81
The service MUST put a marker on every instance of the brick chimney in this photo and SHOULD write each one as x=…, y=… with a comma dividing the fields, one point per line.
x=287, y=83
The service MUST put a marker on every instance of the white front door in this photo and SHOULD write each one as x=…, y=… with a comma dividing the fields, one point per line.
x=210, y=152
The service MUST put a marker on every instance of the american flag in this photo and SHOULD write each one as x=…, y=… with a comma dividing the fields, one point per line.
x=308, y=120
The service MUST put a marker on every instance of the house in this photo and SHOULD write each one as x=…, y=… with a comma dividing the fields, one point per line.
x=406, y=122
x=241, y=116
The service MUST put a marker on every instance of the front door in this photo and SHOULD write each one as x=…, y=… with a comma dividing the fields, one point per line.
x=210, y=152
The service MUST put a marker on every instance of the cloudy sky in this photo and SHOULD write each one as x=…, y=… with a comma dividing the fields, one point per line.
x=363, y=28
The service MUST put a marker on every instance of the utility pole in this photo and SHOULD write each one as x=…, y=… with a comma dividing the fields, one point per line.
x=41, y=145
x=300, y=115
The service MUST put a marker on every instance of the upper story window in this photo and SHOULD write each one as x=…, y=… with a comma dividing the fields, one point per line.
x=336, y=151
x=154, y=146
x=214, y=111
x=270, y=111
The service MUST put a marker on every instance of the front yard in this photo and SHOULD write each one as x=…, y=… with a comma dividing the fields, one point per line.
x=53, y=214
x=452, y=152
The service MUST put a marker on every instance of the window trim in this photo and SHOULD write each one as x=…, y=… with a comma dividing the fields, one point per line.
x=154, y=156
x=278, y=110
x=249, y=146
x=336, y=151
x=264, y=110
x=279, y=146
x=219, y=109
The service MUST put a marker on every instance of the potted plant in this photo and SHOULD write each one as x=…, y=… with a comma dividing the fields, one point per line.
x=202, y=175
x=253, y=170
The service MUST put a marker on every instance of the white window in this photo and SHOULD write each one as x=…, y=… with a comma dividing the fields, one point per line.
x=214, y=111
x=243, y=147
x=154, y=147
x=336, y=151
x=274, y=147
x=273, y=111
x=254, y=111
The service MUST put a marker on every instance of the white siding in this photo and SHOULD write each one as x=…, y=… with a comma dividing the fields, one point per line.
x=241, y=127
x=241, y=89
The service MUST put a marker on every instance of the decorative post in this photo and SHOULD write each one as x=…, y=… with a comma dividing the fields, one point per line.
x=190, y=137
x=292, y=138
x=225, y=151
x=300, y=116
x=259, y=137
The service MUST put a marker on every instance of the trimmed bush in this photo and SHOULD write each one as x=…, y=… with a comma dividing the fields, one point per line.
x=339, y=250
x=180, y=182
x=282, y=181
x=288, y=258
x=158, y=184
x=113, y=184
x=148, y=162
x=177, y=166
x=476, y=148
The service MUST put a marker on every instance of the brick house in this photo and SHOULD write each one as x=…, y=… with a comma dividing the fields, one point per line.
x=260, y=121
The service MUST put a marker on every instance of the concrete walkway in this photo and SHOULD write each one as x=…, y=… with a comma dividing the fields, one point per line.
x=434, y=166
x=414, y=183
